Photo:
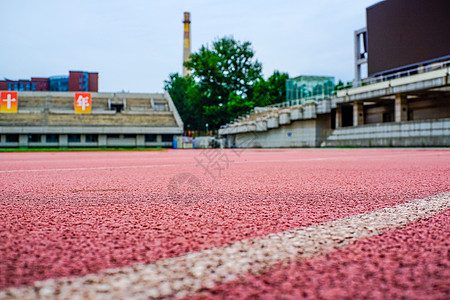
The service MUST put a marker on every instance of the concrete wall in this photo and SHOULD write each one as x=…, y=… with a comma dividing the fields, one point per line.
x=435, y=132
x=103, y=141
x=374, y=114
x=429, y=109
x=416, y=110
x=301, y=133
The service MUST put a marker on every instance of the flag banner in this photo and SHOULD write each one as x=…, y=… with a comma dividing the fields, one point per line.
x=9, y=102
x=83, y=103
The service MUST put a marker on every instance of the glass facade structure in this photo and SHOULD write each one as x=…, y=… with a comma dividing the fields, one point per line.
x=150, y=138
x=74, y=138
x=91, y=138
x=309, y=88
x=59, y=83
x=84, y=82
x=34, y=138
x=52, y=138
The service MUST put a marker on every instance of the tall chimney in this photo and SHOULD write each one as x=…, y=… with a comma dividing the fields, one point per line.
x=187, y=42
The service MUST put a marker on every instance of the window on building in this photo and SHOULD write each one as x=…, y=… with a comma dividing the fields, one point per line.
x=52, y=138
x=34, y=138
x=387, y=117
x=117, y=107
x=129, y=136
x=113, y=136
x=85, y=81
x=91, y=138
x=12, y=138
x=33, y=86
x=74, y=138
x=167, y=137
x=150, y=138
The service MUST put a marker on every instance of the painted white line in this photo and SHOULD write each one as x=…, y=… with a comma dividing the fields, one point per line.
x=188, y=274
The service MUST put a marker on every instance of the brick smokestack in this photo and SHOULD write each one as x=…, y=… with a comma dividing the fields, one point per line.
x=187, y=41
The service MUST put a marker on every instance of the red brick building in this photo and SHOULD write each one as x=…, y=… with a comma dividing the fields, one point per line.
x=83, y=81
x=76, y=81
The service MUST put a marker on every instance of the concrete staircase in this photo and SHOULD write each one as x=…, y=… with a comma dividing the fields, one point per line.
x=267, y=118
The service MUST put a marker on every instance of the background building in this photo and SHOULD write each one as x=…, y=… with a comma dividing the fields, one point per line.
x=307, y=88
x=75, y=81
x=405, y=100
x=407, y=34
x=48, y=119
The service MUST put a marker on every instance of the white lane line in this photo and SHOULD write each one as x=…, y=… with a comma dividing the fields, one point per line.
x=200, y=163
x=188, y=274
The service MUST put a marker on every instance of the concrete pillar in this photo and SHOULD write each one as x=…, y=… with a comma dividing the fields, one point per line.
x=159, y=138
x=401, y=108
x=140, y=140
x=63, y=141
x=358, y=113
x=338, y=117
x=360, y=54
x=23, y=141
x=285, y=118
x=102, y=140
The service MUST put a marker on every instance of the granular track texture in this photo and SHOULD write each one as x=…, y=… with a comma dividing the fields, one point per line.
x=72, y=214
x=411, y=262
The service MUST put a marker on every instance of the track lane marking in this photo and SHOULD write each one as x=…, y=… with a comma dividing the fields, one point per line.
x=189, y=274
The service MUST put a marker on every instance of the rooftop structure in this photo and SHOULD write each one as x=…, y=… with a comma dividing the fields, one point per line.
x=402, y=35
x=307, y=88
x=76, y=81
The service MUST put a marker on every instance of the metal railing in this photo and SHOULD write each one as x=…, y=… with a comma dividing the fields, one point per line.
x=293, y=102
x=414, y=71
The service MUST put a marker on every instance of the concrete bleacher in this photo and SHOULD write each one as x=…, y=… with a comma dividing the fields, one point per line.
x=402, y=111
x=123, y=114
x=273, y=117
x=300, y=125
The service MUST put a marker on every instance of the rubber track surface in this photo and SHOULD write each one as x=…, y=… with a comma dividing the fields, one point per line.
x=411, y=262
x=70, y=214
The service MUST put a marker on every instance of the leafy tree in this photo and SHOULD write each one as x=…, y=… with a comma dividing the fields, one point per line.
x=272, y=90
x=225, y=74
x=339, y=86
x=185, y=94
x=226, y=82
x=238, y=105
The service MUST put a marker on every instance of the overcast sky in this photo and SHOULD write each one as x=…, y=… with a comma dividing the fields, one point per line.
x=136, y=44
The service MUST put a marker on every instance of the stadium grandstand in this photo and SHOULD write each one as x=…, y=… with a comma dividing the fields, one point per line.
x=403, y=101
x=83, y=119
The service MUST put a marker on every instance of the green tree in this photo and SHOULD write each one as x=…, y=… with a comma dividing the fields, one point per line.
x=270, y=91
x=225, y=74
x=339, y=86
x=185, y=94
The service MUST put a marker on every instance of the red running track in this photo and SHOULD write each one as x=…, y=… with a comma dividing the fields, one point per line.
x=70, y=214
x=407, y=263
